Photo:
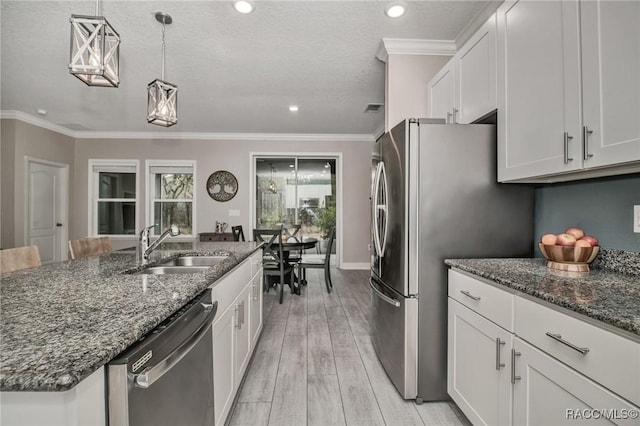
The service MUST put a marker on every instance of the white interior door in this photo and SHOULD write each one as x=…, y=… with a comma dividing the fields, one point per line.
x=46, y=209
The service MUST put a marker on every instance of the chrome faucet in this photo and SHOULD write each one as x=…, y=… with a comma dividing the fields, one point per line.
x=146, y=249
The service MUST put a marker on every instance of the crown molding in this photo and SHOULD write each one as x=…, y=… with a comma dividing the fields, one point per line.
x=85, y=134
x=36, y=121
x=478, y=21
x=406, y=46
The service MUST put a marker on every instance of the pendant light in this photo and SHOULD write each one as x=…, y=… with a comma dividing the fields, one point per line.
x=162, y=101
x=95, y=50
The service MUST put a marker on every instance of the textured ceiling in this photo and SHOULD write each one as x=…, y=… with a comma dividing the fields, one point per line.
x=235, y=73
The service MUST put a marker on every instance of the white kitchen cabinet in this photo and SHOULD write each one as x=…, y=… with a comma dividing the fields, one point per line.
x=548, y=392
x=442, y=93
x=242, y=338
x=478, y=366
x=83, y=405
x=568, y=90
x=539, y=119
x=255, y=316
x=551, y=366
x=234, y=335
x=610, y=81
x=476, y=74
x=223, y=363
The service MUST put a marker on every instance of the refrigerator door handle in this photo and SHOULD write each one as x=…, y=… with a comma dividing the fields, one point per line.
x=383, y=296
x=380, y=205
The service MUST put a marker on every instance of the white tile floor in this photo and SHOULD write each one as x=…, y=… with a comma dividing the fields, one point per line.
x=315, y=365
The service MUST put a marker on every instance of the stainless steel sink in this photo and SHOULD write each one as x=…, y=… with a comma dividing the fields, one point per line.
x=172, y=269
x=195, y=261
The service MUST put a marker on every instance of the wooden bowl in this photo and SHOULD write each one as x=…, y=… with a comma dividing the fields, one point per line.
x=569, y=258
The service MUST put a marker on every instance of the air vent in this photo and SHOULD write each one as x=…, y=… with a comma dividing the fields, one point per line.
x=373, y=107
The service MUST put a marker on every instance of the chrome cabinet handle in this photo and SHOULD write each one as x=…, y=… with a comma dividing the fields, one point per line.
x=585, y=142
x=498, y=344
x=455, y=115
x=514, y=378
x=238, y=317
x=243, y=312
x=567, y=138
x=466, y=293
x=558, y=338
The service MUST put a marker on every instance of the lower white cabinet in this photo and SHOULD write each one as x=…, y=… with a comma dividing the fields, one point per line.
x=523, y=376
x=236, y=329
x=242, y=334
x=548, y=392
x=223, y=359
x=255, y=316
x=478, y=366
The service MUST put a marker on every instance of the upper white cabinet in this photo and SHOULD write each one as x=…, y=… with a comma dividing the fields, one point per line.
x=442, y=93
x=550, y=122
x=476, y=74
x=465, y=89
x=610, y=81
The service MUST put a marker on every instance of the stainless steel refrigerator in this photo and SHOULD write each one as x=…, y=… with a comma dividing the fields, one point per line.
x=434, y=196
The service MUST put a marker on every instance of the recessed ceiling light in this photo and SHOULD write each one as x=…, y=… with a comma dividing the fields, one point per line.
x=394, y=10
x=243, y=6
x=293, y=108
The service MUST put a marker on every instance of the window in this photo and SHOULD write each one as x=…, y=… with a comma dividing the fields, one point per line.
x=113, y=197
x=296, y=190
x=171, y=196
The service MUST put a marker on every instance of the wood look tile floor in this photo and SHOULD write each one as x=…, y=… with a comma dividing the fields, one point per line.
x=315, y=365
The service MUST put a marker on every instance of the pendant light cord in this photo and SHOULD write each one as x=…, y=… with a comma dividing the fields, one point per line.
x=162, y=69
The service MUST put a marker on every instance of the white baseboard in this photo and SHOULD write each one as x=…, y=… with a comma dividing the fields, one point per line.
x=355, y=265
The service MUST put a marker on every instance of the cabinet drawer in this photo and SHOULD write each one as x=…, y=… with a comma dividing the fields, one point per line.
x=488, y=301
x=225, y=290
x=607, y=358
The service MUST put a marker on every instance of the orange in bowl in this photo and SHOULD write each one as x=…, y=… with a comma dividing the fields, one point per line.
x=569, y=258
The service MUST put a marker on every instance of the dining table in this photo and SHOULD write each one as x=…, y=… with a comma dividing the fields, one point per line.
x=295, y=244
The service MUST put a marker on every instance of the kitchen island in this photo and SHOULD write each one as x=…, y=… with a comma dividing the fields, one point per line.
x=61, y=323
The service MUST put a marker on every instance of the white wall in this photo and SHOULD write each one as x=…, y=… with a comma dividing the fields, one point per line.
x=234, y=156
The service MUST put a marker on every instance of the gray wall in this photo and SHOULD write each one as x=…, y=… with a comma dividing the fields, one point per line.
x=20, y=140
x=234, y=156
x=602, y=207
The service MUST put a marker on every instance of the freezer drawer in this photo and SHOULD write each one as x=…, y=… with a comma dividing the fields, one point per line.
x=394, y=336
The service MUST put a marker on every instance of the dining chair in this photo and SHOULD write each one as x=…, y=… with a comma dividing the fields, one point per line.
x=318, y=261
x=86, y=247
x=292, y=233
x=19, y=258
x=273, y=263
x=238, y=233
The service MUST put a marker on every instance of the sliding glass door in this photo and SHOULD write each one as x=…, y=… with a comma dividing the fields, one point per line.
x=300, y=190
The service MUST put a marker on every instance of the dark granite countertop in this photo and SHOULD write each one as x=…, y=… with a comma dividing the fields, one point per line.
x=606, y=294
x=61, y=322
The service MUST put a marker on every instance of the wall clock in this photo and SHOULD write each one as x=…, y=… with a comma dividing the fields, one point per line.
x=222, y=185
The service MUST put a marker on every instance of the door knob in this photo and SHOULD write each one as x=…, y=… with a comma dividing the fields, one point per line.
x=58, y=224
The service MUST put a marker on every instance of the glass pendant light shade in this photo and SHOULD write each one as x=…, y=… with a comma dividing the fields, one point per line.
x=162, y=103
x=95, y=51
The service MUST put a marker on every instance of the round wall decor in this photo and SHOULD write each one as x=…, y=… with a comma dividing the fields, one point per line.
x=222, y=185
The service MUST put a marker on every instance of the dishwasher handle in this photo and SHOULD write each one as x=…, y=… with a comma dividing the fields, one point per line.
x=150, y=375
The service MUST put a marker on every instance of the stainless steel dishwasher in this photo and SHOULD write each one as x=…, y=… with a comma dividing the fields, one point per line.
x=166, y=378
